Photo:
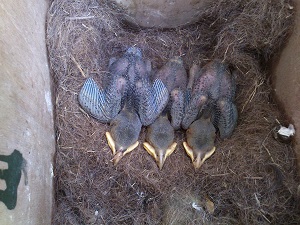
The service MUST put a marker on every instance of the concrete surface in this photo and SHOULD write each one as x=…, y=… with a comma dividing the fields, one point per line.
x=287, y=80
x=26, y=115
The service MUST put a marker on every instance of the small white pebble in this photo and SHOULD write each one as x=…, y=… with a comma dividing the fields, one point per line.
x=196, y=206
x=96, y=213
x=287, y=131
x=290, y=7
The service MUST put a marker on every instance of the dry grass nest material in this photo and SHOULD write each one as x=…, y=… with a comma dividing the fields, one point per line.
x=251, y=179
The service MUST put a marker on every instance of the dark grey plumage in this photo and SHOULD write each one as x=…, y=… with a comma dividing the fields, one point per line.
x=128, y=100
x=128, y=79
x=151, y=100
x=160, y=134
x=101, y=104
x=213, y=86
x=148, y=99
x=174, y=76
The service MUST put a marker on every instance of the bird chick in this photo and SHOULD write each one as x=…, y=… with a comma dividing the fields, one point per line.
x=126, y=126
x=200, y=137
x=124, y=133
x=128, y=100
x=128, y=78
x=213, y=86
x=160, y=134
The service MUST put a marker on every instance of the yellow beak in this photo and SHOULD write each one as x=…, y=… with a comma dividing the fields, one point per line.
x=159, y=155
x=118, y=154
x=197, y=158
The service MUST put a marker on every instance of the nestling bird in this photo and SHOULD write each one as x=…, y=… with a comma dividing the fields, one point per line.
x=160, y=134
x=174, y=77
x=128, y=78
x=143, y=102
x=213, y=86
x=200, y=138
x=128, y=100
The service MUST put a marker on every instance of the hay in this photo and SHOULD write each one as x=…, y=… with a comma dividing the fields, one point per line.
x=251, y=179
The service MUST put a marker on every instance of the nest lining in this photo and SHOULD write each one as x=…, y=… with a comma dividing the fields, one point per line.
x=251, y=179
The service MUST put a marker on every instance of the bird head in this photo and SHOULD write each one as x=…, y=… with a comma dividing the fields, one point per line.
x=160, y=137
x=134, y=51
x=200, y=141
x=124, y=134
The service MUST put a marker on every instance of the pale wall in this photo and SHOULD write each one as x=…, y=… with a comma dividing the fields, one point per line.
x=287, y=79
x=26, y=119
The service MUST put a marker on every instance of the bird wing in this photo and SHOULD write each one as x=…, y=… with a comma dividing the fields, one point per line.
x=194, y=107
x=152, y=101
x=95, y=102
x=225, y=117
x=227, y=86
x=177, y=107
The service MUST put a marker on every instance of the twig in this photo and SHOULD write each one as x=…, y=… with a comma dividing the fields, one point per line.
x=251, y=96
x=80, y=18
x=264, y=217
x=254, y=178
x=219, y=175
x=268, y=153
x=78, y=66
x=263, y=144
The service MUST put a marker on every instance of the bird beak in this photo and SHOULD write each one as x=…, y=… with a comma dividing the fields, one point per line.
x=197, y=160
x=111, y=143
x=159, y=155
x=117, y=157
x=118, y=154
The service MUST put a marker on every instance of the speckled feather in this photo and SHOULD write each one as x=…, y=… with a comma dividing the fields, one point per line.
x=152, y=100
x=98, y=103
x=174, y=76
x=215, y=86
x=129, y=84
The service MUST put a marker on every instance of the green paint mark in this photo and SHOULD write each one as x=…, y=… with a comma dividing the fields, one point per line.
x=12, y=177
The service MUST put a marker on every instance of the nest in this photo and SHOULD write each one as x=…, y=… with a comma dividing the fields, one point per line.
x=251, y=179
